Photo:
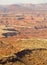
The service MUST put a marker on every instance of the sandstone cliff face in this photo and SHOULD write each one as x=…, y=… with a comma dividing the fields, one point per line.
x=27, y=57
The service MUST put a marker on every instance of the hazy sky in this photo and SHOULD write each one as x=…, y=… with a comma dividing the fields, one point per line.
x=22, y=1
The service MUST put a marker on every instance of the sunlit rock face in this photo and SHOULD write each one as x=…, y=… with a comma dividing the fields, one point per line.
x=27, y=57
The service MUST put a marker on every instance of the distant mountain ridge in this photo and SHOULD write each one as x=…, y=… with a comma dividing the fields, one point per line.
x=21, y=7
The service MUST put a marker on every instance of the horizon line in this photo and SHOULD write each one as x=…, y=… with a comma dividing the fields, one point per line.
x=21, y=3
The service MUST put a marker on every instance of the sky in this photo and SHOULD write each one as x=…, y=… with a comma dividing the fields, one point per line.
x=4, y=2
